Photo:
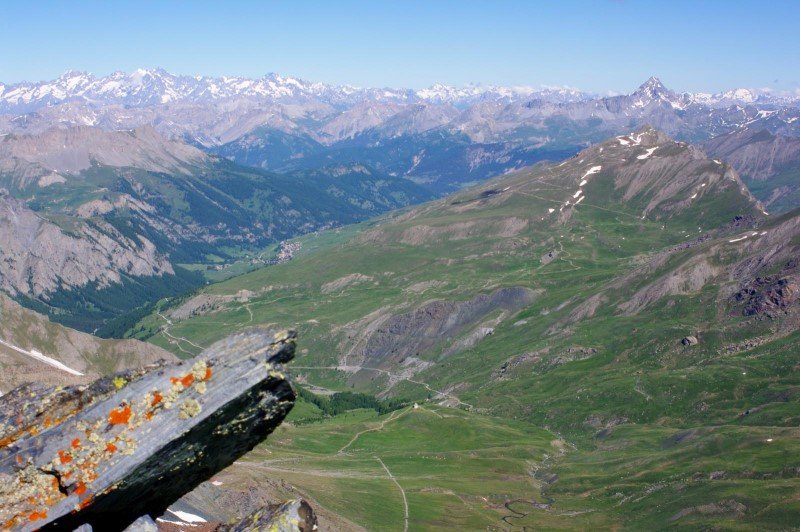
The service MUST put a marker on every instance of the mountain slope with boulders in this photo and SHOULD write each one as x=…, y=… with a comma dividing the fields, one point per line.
x=634, y=299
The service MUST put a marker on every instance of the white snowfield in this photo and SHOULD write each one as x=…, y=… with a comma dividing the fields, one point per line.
x=754, y=233
x=41, y=358
x=630, y=140
x=592, y=170
x=648, y=154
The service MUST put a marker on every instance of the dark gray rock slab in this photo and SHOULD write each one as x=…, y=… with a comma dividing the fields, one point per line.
x=131, y=445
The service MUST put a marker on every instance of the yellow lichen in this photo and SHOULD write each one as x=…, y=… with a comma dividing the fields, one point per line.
x=189, y=408
x=199, y=370
x=282, y=336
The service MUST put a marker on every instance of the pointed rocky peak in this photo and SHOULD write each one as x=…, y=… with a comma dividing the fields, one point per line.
x=653, y=90
x=652, y=87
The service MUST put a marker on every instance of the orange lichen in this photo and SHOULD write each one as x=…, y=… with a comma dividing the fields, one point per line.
x=85, y=502
x=111, y=448
x=80, y=488
x=120, y=416
x=187, y=380
x=208, y=374
x=157, y=398
x=63, y=457
x=148, y=416
x=67, y=475
x=35, y=516
x=76, y=443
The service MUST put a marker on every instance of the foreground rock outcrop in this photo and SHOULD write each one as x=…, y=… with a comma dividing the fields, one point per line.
x=129, y=445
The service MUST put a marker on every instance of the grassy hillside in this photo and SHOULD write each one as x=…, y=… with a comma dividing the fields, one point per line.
x=516, y=301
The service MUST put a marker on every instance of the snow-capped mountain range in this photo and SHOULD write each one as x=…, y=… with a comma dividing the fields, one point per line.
x=283, y=123
x=157, y=86
x=151, y=87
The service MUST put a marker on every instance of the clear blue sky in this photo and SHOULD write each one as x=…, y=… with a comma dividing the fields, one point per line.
x=597, y=45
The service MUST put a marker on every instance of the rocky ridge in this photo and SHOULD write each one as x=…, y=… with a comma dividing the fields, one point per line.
x=39, y=257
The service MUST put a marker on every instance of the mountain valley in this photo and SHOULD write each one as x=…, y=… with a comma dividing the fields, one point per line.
x=515, y=307
x=91, y=215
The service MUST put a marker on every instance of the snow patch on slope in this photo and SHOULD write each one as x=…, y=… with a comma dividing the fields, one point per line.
x=33, y=353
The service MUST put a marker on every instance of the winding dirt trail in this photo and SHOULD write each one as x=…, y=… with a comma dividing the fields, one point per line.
x=177, y=339
x=393, y=416
x=402, y=492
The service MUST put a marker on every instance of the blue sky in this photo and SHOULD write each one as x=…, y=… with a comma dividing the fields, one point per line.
x=597, y=45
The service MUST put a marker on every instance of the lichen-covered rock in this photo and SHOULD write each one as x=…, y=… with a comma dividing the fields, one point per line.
x=130, y=445
x=291, y=516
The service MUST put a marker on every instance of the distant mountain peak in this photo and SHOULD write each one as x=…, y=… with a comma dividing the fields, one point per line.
x=654, y=89
x=652, y=81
